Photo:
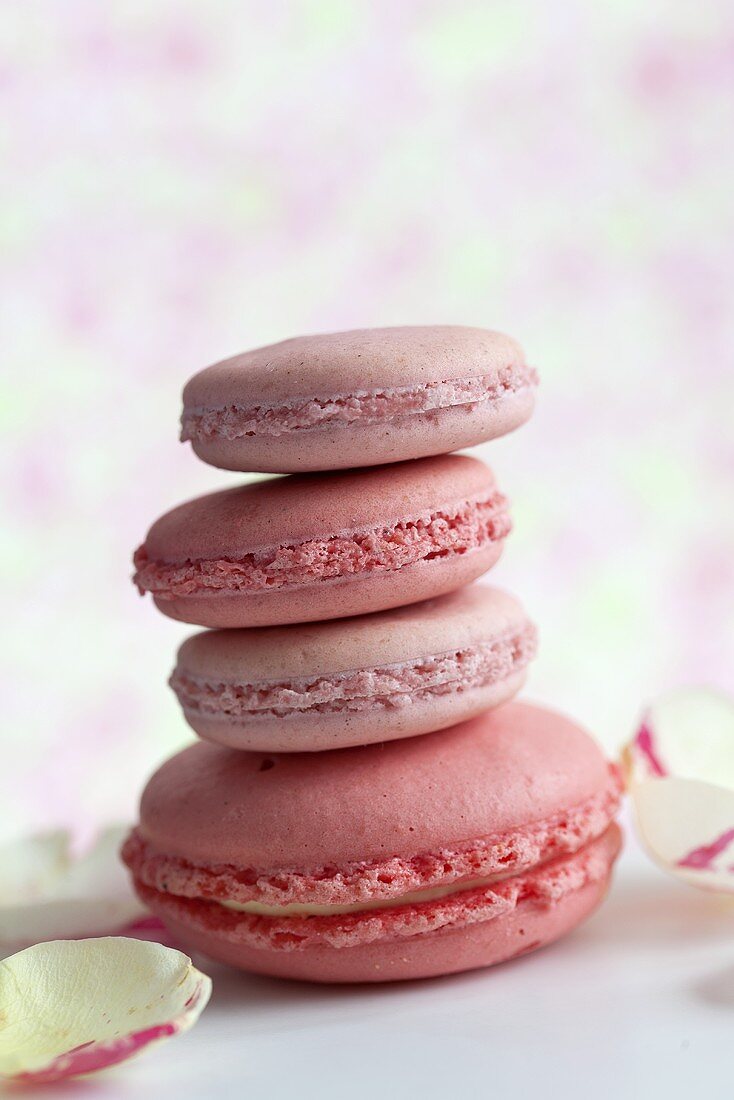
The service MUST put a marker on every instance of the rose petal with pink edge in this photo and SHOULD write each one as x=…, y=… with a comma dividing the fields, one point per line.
x=680, y=769
x=689, y=734
x=73, y=1007
x=47, y=892
x=688, y=828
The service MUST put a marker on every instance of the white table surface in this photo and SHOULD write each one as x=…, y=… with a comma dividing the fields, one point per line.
x=639, y=1002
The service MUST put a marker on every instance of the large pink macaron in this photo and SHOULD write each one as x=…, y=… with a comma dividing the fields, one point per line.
x=398, y=673
x=358, y=398
x=411, y=859
x=324, y=546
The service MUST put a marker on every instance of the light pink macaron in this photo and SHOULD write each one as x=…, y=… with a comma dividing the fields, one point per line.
x=397, y=673
x=415, y=858
x=324, y=546
x=358, y=398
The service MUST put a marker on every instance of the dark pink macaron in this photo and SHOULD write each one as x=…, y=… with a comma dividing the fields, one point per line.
x=324, y=546
x=415, y=858
x=358, y=398
x=398, y=673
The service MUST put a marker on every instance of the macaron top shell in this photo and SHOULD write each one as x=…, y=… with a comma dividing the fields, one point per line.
x=507, y=769
x=277, y=511
x=357, y=361
x=469, y=616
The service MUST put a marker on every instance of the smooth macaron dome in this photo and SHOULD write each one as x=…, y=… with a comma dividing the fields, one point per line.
x=358, y=398
x=422, y=856
x=320, y=546
x=356, y=681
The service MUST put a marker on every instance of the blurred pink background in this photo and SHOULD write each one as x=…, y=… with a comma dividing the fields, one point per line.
x=183, y=182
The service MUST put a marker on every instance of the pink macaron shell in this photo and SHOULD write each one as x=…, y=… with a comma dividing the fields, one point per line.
x=314, y=387
x=469, y=939
x=499, y=774
x=437, y=954
x=280, y=510
x=359, y=360
x=339, y=544
x=412, y=670
x=470, y=615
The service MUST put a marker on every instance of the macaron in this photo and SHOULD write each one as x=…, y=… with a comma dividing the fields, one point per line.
x=359, y=398
x=397, y=673
x=415, y=858
x=325, y=546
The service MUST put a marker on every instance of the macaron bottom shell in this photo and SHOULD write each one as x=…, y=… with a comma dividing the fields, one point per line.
x=463, y=943
x=319, y=732
x=397, y=439
x=334, y=599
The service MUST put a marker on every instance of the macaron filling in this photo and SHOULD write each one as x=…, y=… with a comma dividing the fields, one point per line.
x=544, y=885
x=388, y=687
x=238, y=421
x=447, y=532
x=414, y=897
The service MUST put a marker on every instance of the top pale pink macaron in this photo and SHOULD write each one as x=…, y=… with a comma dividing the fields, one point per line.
x=360, y=398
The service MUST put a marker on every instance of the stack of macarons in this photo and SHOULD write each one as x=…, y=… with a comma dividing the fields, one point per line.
x=366, y=801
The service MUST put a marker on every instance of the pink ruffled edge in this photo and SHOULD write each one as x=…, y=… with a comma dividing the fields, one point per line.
x=468, y=525
x=203, y=423
x=380, y=879
x=543, y=885
x=385, y=687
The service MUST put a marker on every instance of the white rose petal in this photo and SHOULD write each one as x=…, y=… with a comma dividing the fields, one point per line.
x=680, y=768
x=72, y=1007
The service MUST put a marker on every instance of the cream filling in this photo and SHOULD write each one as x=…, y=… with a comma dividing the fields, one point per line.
x=415, y=897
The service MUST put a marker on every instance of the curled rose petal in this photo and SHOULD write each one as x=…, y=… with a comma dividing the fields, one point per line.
x=680, y=768
x=72, y=1007
x=46, y=892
